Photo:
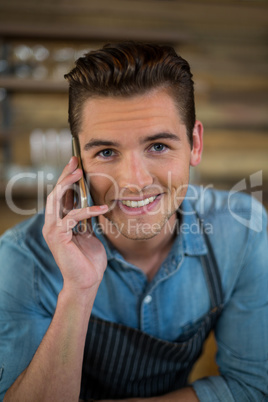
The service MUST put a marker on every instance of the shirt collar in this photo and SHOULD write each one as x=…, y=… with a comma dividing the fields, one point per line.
x=191, y=229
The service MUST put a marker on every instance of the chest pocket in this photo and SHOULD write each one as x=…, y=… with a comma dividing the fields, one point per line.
x=198, y=327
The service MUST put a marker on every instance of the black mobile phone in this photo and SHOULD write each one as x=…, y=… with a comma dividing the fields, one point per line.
x=81, y=188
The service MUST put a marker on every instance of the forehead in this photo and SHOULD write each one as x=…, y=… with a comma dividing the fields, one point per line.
x=155, y=108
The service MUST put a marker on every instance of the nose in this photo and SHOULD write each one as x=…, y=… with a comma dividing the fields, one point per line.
x=134, y=174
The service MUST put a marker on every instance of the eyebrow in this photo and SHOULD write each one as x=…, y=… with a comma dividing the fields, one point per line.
x=160, y=136
x=93, y=143
x=100, y=143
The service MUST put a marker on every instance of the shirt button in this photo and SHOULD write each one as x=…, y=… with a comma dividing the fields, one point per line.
x=148, y=299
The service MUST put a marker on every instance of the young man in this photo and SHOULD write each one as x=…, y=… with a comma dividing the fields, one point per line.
x=122, y=311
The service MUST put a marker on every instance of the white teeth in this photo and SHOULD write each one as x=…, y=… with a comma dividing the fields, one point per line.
x=135, y=204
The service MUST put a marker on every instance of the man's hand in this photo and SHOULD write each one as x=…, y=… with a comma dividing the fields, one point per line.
x=80, y=257
x=54, y=373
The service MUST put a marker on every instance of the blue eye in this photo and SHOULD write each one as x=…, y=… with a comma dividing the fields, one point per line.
x=106, y=153
x=158, y=147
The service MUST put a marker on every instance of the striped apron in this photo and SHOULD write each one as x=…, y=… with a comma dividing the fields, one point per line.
x=122, y=362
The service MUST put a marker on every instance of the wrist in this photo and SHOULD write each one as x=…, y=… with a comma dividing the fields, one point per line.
x=82, y=299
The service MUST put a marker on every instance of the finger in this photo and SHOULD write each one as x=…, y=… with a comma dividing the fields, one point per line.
x=67, y=202
x=53, y=205
x=69, y=168
x=76, y=215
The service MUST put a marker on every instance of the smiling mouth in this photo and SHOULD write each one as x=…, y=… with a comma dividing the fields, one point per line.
x=138, y=204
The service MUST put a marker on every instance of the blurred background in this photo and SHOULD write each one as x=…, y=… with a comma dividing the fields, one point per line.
x=225, y=42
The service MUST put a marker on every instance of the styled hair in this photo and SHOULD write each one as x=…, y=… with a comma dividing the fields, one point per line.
x=127, y=69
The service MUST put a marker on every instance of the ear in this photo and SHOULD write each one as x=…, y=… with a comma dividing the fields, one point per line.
x=196, y=152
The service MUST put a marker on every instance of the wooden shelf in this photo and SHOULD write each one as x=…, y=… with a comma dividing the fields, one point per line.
x=75, y=32
x=31, y=85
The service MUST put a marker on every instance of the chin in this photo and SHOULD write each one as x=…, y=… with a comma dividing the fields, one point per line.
x=139, y=228
x=139, y=236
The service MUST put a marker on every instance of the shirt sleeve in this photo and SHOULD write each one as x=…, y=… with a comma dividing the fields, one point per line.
x=242, y=331
x=23, y=320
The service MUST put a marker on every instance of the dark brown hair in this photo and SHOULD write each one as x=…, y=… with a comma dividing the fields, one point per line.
x=127, y=69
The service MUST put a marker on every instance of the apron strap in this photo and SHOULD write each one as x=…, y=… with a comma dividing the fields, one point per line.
x=212, y=273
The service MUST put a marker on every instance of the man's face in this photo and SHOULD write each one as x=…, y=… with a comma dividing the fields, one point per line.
x=137, y=156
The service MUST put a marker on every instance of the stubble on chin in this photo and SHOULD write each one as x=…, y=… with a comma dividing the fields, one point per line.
x=137, y=228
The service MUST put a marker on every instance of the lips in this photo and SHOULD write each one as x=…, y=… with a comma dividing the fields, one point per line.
x=139, y=206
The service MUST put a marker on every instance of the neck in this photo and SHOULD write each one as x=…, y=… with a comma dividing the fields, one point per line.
x=149, y=254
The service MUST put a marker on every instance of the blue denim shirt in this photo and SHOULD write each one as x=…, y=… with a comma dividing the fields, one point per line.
x=166, y=307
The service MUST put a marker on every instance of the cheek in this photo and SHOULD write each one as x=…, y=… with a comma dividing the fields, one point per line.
x=178, y=183
x=102, y=185
x=175, y=175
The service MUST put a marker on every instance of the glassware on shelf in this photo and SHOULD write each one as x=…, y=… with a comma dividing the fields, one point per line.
x=50, y=147
x=40, y=61
x=40, y=53
x=23, y=53
x=37, y=147
x=64, y=145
